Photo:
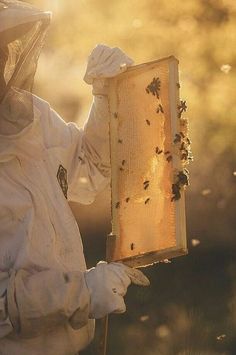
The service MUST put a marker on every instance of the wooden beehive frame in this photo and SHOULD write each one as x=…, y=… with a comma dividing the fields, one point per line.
x=115, y=240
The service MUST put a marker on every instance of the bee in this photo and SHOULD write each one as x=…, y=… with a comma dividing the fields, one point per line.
x=123, y=162
x=175, y=192
x=159, y=109
x=117, y=204
x=188, y=141
x=167, y=152
x=127, y=199
x=116, y=114
x=120, y=141
x=169, y=158
x=154, y=87
x=182, y=180
x=132, y=246
x=182, y=107
x=121, y=169
x=148, y=122
x=182, y=135
x=184, y=155
x=158, y=151
x=146, y=184
x=183, y=177
x=190, y=156
x=178, y=85
x=147, y=200
x=177, y=138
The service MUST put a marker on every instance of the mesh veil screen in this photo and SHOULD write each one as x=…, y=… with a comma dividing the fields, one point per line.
x=20, y=46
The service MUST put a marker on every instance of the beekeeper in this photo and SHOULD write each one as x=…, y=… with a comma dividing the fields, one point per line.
x=48, y=300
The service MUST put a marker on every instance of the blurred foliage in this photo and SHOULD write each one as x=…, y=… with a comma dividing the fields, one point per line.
x=193, y=302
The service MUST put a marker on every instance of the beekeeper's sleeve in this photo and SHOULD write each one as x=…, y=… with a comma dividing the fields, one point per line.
x=34, y=303
x=84, y=153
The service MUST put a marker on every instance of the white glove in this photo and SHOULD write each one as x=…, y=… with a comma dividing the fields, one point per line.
x=105, y=62
x=107, y=284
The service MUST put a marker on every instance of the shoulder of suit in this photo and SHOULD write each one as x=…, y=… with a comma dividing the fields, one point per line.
x=40, y=104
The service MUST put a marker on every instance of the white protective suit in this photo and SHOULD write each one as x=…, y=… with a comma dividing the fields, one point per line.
x=47, y=296
x=41, y=255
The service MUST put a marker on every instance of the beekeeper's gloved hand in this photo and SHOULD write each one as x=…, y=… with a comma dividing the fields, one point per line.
x=103, y=63
x=107, y=284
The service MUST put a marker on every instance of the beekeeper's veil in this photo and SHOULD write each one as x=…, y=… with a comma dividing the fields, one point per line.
x=22, y=33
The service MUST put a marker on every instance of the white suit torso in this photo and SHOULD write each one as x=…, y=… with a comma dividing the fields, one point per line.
x=37, y=228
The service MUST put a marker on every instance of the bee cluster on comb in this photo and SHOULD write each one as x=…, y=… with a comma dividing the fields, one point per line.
x=182, y=145
x=181, y=140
